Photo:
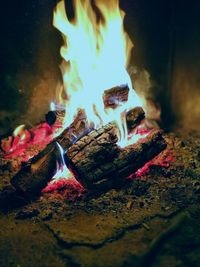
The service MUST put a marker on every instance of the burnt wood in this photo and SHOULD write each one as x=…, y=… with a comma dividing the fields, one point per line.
x=80, y=126
x=116, y=95
x=134, y=117
x=98, y=162
x=35, y=174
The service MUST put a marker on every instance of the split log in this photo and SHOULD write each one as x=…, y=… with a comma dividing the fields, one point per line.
x=116, y=95
x=35, y=175
x=98, y=163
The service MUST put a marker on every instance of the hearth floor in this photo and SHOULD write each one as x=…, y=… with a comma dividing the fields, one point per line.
x=152, y=222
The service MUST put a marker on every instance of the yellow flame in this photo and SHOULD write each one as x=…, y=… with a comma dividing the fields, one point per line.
x=95, y=54
x=19, y=130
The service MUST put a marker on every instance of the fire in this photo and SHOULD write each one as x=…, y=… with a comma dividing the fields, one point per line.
x=62, y=170
x=95, y=53
x=19, y=130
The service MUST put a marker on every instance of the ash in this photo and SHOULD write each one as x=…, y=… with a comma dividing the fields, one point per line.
x=152, y=221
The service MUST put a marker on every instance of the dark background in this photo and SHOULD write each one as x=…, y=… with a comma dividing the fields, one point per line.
x=166, y=36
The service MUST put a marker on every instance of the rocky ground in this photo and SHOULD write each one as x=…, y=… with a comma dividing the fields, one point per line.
x=152, y=221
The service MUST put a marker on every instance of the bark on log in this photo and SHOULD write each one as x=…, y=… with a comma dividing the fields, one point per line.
x=34, y=176
x=98, y=163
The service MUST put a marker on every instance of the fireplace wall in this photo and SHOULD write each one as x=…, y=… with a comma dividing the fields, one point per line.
x=185, y=79
x=166, y=38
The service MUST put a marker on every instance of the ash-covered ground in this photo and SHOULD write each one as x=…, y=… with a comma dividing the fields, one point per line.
x=152, y=221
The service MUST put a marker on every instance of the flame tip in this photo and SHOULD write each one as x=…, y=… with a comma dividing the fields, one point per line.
x=95, y=54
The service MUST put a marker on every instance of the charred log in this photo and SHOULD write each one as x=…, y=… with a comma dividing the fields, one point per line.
x=98, y=163
x=37, y=172
x=80, y=127
x=134, y=117
x=111, y=98
x=34, y=175
x=116, y=95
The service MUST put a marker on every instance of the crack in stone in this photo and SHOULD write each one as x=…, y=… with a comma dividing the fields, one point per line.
x=119, y=234
x=68, y=261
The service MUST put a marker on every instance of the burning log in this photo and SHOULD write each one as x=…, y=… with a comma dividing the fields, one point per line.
x=134, y=117
x=98, y=163
x=80, y=126
x=33, y=176
x=112, y=98
x=116, y=95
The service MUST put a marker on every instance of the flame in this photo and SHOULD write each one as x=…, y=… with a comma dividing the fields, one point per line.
x=62, y=170
x=19, y=130
x=20, y=135
x=96, y=52
x=52, y=106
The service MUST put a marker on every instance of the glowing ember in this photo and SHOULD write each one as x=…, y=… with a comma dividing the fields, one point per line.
x=64, y=179
x=95, y=54
x=163, y=161
x=71, y=189
x=24, y=139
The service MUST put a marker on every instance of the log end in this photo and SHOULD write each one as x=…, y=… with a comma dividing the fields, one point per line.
x=101, y=165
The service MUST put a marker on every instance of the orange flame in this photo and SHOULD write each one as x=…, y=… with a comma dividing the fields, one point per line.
x=95, y=54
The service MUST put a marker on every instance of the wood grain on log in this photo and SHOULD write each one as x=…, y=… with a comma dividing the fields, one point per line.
x=97, y=162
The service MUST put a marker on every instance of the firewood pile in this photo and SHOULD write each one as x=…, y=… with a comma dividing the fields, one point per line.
x=92, y=155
